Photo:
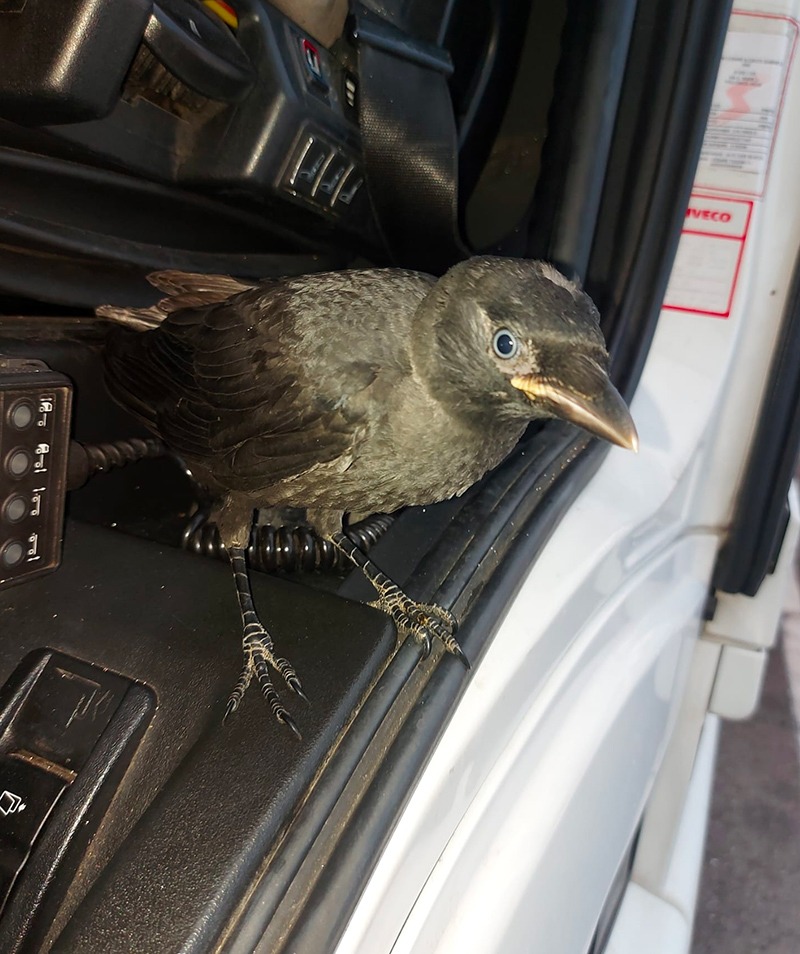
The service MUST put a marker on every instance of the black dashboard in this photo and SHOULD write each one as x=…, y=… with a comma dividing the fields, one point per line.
x=137, y=135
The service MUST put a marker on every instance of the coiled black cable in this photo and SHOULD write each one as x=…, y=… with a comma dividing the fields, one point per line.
x=107, y=456
x=285, y=549
x=86, y=460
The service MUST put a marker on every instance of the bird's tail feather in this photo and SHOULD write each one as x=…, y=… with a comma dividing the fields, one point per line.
x=140, y=319
x=209, y=288
x=183, y=290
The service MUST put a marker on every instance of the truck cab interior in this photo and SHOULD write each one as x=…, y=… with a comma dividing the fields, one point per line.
x=259, y=140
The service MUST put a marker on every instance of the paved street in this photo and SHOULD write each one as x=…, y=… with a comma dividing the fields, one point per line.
x=750, y=894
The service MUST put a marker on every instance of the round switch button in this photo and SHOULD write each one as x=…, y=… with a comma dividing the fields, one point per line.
x=18, y=462
x=15, y=508
x=21, y=415
x=12, y=554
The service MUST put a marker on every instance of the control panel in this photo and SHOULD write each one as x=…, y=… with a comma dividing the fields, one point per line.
x=35, y=406
x=248, y=105
x=323, y=167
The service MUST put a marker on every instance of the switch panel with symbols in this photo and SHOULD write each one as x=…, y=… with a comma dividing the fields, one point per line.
x=35, y=406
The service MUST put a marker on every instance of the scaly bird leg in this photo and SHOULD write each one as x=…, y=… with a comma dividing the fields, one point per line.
x=259, y=651
x=423, y=621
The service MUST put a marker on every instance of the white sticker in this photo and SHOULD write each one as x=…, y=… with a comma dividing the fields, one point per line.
x=706, y=268
x=746, y=106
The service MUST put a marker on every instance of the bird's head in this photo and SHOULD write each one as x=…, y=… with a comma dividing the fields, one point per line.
x=514, y=339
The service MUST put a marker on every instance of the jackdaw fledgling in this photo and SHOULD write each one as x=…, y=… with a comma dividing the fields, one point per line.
x=357, y=392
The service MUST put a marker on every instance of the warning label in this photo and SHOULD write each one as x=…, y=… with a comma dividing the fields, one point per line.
x=746, y=106
x=706, y=269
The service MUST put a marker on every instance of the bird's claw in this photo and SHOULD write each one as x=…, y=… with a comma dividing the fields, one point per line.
x=459, y=653
x=422, y=637
x=257, y=646
x=424, y=622
x=230, y=708
x=289, y=722
x=440, y=629
x=290, y=677
x=295, y=685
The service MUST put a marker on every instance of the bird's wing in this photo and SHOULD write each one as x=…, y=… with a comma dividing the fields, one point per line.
x=227, y=385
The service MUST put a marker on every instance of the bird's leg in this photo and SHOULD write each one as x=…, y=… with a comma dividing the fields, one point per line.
x=258, y=649
x=421, y=620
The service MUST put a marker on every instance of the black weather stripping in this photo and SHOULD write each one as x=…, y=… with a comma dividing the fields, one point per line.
x=762, y=511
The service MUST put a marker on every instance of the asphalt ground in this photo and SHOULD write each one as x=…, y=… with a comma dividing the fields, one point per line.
x=750, y=890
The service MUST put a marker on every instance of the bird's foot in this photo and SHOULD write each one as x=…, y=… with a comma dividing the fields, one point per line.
x=258, y=657
x=423, y=621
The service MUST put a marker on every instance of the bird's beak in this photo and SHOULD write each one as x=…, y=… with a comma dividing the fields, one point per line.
x=603, y=414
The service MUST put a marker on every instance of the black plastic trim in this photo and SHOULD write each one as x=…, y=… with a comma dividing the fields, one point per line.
x=485, y=98
x=200, y=805
x=43, y=882
x=366, y=28
x=582, y=118
x=761, y=514
x=312, y=882
x=211, y=62
x=675, y=53
x=58, y=242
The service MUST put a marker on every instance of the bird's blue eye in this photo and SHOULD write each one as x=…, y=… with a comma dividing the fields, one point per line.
x=505, y=344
